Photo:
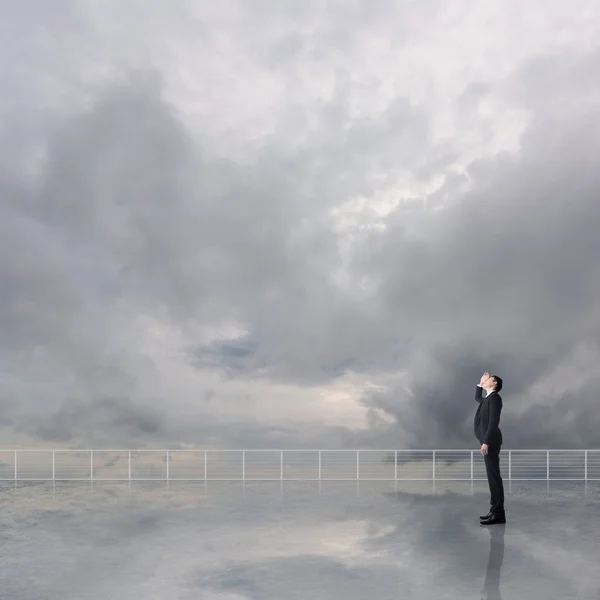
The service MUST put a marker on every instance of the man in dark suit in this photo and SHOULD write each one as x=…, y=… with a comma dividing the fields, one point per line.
x=487, y=431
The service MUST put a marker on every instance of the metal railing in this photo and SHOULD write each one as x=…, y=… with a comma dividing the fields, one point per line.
x=292, y=465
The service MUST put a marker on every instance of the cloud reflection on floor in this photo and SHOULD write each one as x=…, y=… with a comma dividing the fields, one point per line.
x=227, y=541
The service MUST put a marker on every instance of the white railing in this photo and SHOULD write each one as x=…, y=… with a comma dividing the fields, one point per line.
x=293, y=465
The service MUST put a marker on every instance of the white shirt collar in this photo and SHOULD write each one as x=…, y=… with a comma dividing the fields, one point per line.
x=487, y=393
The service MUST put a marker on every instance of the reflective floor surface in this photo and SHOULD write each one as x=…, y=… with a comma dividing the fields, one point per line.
x=229, y=541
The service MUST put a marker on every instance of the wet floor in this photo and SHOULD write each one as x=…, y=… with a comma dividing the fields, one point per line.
x=229, y=541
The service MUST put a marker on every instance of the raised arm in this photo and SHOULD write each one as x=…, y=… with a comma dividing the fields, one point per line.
x=478, y=393
x=479, y=389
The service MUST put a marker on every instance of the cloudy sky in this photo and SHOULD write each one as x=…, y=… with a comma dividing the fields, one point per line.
x=298, y=224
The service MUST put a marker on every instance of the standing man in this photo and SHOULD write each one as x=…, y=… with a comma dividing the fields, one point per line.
x=487, y=431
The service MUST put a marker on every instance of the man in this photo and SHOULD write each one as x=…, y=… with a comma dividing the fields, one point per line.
x=487, y=431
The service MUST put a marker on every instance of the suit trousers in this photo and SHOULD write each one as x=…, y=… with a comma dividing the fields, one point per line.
x=492, y=468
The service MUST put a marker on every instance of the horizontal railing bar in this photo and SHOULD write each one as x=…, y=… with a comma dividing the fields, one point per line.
x=96, y=479
x=289, y=450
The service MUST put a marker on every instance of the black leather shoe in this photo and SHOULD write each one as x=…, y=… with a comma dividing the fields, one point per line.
x=495, y=519
x=486, y=516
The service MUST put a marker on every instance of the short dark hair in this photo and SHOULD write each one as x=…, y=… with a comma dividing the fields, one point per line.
x=498, y=381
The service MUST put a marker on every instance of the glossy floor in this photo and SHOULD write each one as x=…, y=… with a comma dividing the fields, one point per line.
x=228, y=541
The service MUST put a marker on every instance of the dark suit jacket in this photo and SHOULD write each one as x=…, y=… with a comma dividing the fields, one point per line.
x=487, y=418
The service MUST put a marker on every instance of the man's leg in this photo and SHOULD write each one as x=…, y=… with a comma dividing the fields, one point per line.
x=492, y=467
x=487, y=470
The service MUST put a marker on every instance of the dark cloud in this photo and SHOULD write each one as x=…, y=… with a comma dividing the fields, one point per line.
x=101, y=420
x=117, y=204
x=501, y=279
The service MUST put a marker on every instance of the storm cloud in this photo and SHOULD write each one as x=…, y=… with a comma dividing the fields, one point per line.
x=298, y=225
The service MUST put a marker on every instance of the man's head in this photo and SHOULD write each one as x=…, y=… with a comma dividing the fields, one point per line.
x=493, y=383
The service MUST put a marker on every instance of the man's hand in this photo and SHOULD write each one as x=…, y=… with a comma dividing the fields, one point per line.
x=484, y=449
x=484, y=378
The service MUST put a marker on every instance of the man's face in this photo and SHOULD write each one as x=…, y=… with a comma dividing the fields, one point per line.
x=490, y=384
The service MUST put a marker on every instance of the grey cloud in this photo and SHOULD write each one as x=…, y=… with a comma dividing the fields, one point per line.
x=131, y=212
x=557, y=84
x=128, y=214
x=233, y=357
x=101, y=420
x=504, y=278
x=207, y=430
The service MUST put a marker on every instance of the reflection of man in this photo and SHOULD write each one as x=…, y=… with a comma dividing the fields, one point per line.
x=491, y=585
x=487, y=431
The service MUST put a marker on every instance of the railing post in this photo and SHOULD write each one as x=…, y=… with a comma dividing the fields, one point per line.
x=53, y=465
x=548, y=465
x=243, y=465
x=168, y=465
x=433, y=465
x=129, y=464
x=16, y=472
x=509, y=465
x=395, y=465
x=91, y=465
x=319, y=465
x=281, y=465
x=357, y=464
x=471, y=465
x=585, y=465
x=205, y=465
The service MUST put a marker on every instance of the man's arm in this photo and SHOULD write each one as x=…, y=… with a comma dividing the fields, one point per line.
x=479, y=389
x=494, y=418
x=478, y=393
